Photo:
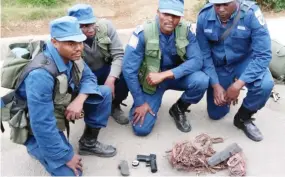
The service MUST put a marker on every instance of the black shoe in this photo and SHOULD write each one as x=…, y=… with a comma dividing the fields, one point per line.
x=119, y=115
x=177, y=111
x=244, y=122
x=88, y=144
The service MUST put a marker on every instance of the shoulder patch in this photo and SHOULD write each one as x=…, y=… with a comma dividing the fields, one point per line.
x=133, y=42
x=246, y=5
x=258, y=14
x=139, y=29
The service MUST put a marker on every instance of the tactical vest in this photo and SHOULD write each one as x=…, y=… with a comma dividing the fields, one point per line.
x=152, y=59
x=103, y=39
x=18, y=117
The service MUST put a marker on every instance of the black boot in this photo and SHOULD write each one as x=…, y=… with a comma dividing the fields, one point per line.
x=177, y=111
x=119, y=115
x=88, y=144
x=243, y=121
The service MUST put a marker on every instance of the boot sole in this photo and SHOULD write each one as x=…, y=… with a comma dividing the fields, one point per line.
x=172, y=115
x=85, y=153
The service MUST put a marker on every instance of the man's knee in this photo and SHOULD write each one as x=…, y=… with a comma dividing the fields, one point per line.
x=147, y=126
x=106, y=91
x=267, y=86
x=142, y=130
x=200, y=81
x=217, y=114
x=106, y=94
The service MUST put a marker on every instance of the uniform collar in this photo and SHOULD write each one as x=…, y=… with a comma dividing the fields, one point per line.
x=51, y=52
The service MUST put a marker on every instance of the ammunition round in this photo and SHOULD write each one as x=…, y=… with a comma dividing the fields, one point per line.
x=135, y=163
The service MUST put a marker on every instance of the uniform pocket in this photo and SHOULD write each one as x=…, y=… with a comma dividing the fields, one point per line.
x=241, y=40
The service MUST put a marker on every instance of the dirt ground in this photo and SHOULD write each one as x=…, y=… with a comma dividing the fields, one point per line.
x=123, y=13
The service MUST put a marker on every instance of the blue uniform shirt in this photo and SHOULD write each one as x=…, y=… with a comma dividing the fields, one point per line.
x=37, y=89
x=134, y=55
x=248, y=39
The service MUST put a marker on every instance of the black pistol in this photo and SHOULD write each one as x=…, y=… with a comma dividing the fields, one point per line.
x=150, y=161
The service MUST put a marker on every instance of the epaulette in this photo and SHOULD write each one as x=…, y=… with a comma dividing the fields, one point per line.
x=207, y=6
x=246, y=5
x=138, y=29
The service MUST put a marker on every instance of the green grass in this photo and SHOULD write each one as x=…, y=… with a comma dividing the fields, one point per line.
x=10, y=14
x=35, y=3
x=14, y=11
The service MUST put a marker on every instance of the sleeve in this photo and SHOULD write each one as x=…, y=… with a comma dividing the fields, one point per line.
x=89, y=86
x=116, y=51
x=133, y=58
x=194, y=60
x=39, y=91
x=261, y=46
x=208, y=65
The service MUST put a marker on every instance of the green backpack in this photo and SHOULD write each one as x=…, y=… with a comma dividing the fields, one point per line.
x=21, y=60
x=277, y=64
x=19, y=55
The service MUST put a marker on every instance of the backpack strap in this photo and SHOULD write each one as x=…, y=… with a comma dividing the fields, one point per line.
x=227, y=32
x=40, y=61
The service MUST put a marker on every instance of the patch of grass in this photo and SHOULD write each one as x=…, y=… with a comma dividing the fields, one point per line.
x=276, y=5
x=10, y=14
x=48, y=3
x=15, y=11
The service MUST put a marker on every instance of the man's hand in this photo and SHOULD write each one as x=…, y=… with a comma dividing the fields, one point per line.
x=219, y=95
x=110, y=82
x=140, y=113
x=74, y=109
x=156, y=78
x=75, y=164
x=233, y=91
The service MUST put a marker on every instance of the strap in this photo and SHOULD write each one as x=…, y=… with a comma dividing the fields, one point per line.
x=40, y=61
x=2, y=128
x=67, y=128
x=227, y=32
x=8, y=97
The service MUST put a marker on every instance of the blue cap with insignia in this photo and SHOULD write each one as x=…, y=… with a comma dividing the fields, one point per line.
x=174, y=7
x=66, y=29
x=83, y=12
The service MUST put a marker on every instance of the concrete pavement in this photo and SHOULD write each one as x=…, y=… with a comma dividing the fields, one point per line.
x=266, y=158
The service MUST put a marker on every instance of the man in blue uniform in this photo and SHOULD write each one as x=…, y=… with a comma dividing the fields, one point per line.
x=103, y=52
x=46, y=142
x=235, y=43
x=163, y=54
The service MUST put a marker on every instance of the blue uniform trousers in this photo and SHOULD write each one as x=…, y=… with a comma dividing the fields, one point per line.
x=121, y=88
x=96, y=116
x=257, y=95
x=35, y=152
x=194, y=85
